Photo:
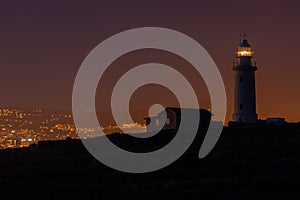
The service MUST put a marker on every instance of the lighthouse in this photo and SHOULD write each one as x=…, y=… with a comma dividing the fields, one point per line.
x=244, y=85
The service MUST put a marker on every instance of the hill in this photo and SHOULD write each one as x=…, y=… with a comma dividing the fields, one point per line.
x=248, y=163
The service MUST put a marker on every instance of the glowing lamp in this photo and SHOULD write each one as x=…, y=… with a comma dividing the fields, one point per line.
x=244, y=52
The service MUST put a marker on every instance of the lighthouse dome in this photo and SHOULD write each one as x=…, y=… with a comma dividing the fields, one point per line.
x=244, y=43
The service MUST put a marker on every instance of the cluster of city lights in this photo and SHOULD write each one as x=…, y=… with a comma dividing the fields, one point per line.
x=20, y=128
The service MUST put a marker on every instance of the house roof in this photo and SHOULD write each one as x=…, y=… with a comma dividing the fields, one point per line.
x=177, y=111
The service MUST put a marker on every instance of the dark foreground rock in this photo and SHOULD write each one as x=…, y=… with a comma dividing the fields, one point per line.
x=246, y=163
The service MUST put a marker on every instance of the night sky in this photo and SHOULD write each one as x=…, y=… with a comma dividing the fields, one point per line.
x=43, y=44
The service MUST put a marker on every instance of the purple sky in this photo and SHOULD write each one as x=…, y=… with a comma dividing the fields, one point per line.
x=44, y=42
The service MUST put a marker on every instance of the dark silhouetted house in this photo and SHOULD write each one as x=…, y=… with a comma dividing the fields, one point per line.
x=172, y=119
x=275, y=120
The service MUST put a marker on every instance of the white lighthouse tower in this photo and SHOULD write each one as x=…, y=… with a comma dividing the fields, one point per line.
x=244, y=85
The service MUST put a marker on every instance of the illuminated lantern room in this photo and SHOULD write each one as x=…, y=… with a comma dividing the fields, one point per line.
x=244, y=50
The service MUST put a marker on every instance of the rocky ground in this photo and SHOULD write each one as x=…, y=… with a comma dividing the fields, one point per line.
x=246, y=163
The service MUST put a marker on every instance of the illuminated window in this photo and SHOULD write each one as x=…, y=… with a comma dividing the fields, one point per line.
x=168, y=121
x=157, y=122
